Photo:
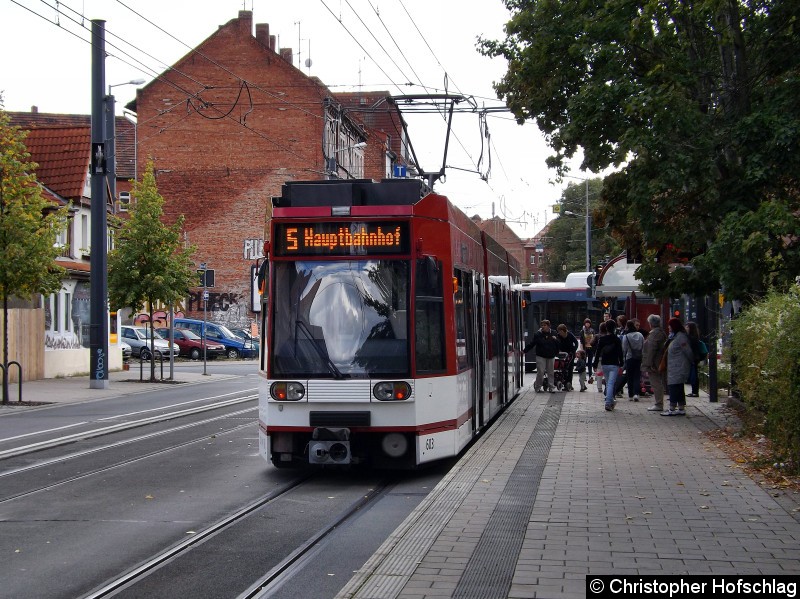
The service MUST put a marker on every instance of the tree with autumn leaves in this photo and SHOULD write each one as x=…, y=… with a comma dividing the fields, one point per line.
x=149, y=263
x=696, y=105
x=29, y=229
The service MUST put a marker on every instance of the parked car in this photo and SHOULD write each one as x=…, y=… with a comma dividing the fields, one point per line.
x=127, y=352
x=191, y=345
x=139, y=340
x=235, y=347
x=247, y=336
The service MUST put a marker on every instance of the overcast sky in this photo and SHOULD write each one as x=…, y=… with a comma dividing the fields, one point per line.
x=46, y=62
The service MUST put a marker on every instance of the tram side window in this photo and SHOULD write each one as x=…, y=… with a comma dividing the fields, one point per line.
x=430, y=355
x=494, y=315
x=464, y=325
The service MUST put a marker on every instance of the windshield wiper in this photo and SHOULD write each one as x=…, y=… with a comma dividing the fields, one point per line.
x=337, y=374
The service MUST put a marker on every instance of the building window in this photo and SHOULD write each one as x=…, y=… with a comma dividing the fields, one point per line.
x=67, y=312
x=85, y=232
x=56, y=312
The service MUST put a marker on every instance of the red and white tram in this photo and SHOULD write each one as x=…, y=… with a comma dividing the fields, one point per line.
x=391, y=333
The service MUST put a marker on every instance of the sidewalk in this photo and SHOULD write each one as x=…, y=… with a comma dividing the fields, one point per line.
x=560, y=489
x=76, y=388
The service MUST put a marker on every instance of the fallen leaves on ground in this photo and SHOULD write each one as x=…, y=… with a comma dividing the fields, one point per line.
x=756, y=457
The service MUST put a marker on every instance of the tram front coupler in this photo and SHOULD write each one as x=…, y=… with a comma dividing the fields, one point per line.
x=329, y=446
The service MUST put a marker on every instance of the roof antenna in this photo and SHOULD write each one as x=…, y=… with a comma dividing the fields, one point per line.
x=299, y=47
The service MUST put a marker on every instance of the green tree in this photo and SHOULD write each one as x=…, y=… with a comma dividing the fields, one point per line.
x=566, y=238
x=696, y=104
x=149, y=263
x=29, y=228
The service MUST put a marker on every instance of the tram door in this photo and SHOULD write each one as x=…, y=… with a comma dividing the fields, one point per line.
x=481, y=374
x=498, y=343
x=466, y=305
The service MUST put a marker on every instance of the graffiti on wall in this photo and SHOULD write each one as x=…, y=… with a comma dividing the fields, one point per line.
x=223, y=307
x=217, y=301
x=253, y=249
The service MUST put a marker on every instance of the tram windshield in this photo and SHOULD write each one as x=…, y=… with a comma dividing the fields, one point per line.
x=345, y=319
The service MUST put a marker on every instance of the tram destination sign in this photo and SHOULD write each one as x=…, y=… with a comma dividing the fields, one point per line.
x=341, y=238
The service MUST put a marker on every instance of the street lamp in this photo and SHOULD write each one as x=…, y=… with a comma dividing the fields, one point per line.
x=588, y=226
x=111, y=142
x=358, y=146
x=333, y=163
x=588, y=218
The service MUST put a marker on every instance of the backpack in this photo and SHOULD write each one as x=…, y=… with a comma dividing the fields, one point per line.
x=636, y=350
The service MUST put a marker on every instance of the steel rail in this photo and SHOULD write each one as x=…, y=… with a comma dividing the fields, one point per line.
x=142, y=570
x=126, y=462
x=106, y=430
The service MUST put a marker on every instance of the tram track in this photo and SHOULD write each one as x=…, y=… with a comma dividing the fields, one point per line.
x=120, y=427
x=119, y=464
x=135, y=582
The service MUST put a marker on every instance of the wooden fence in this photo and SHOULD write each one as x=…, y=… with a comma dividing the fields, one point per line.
x=25, y=342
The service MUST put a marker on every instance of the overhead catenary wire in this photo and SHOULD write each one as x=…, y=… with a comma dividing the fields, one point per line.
x=360, y=45
x=217, y=64
x=189, y=95
x=238, y=92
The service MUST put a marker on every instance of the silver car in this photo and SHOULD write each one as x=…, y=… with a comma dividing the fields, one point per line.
x=139, y=340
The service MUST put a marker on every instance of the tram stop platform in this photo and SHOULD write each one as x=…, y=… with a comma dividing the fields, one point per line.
x=560, y=489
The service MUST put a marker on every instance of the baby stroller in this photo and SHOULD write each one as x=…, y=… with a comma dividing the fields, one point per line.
x=561, y=368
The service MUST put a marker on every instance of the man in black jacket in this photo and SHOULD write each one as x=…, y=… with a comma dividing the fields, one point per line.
x=546, y=346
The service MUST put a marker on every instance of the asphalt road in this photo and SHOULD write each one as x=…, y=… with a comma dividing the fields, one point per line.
x=80, y=514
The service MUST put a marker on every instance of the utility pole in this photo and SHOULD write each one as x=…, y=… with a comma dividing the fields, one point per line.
x=588, y=231
x=98, y=311
x=204, y=268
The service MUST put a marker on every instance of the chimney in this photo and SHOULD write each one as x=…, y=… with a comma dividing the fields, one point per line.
x=35, y=109
x=262, y=34
x=246, y=22
x=287, y=55
x=272, y=43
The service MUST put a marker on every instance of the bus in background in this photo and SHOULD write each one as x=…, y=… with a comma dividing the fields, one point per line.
x=567, y=302
x=586, y=295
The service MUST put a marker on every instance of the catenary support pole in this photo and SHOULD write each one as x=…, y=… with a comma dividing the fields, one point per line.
x=98, y=327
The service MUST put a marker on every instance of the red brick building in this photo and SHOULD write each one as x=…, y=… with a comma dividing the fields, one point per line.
x=536, y=256
x=502, y=233
x=225, y=127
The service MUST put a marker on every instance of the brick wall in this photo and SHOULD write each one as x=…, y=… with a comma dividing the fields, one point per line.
x=222, y=149
x=498, y=229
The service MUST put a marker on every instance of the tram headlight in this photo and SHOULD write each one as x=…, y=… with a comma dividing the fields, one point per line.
x=287, y=391
x=391, y=391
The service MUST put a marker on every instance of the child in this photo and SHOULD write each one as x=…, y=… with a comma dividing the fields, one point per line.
x=598, y=377
x=580, y=367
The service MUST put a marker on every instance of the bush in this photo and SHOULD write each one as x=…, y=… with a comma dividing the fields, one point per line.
x=766, y=361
